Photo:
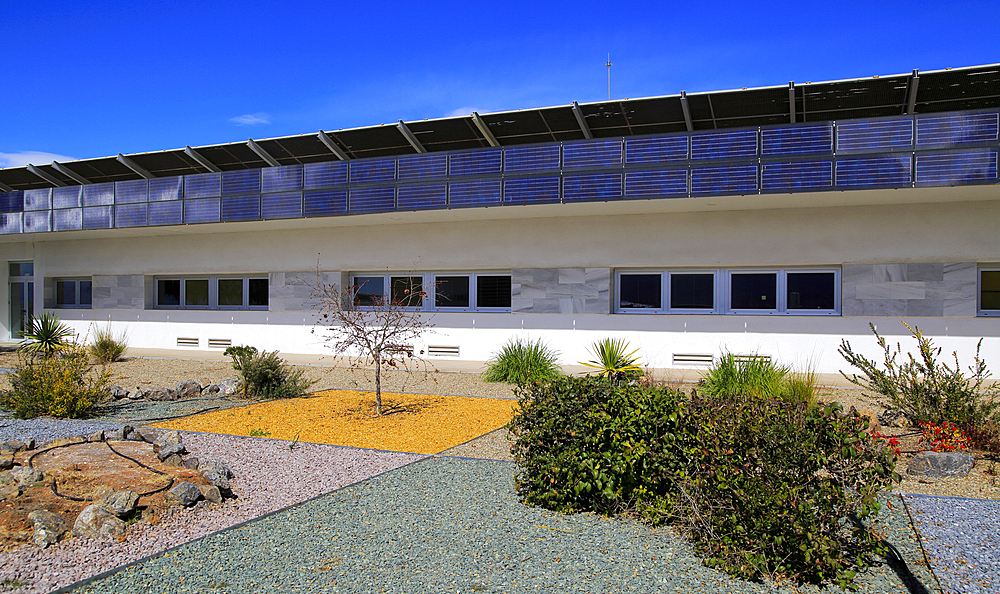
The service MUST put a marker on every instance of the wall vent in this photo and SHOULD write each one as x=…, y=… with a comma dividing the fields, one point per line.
x=752, y=357
x=219, y=343
x=442, y=351
x=188, y=342
x=693, y=359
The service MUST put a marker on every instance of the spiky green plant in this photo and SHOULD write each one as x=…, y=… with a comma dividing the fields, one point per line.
x=752, y=376
x=522, y=362
x=612, y=359
x=45, y=336
x=108, y=346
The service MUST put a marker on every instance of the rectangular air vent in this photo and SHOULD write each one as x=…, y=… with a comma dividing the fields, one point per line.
x=188, y=342
x=442, y=351
x=752, y=357
x=693, y=359
x=219, y=343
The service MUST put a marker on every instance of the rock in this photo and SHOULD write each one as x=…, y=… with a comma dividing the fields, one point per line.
x=166, y=440
x=29, y=444
x=95, y=437
x=49, y=527
x=98, y=523
x=132, y=434
x=150, y=434
x=211, y=493
x=137, y=394
x=941, y=464
x=10, y=492
x=25, y=475
x=15, y=446
x=210, y=389
x=116, y=435
x=160, y=394
x=216, y=473
x=894, y=418
x=120, y=503
x=203, y=504
x=188, y=389
x=186, y=494
x=6, y=461
x=174, y=449
x=174, y=460
x=229, y=386
x=118, y=392
x=191, y=463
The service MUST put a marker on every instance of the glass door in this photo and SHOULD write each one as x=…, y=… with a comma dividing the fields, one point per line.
x=22, y=298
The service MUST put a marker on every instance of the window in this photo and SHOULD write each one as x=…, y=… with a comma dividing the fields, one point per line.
x=445, y=292
x=73, y=293
x=212, y=292
x=989, y=291
x=731, y=291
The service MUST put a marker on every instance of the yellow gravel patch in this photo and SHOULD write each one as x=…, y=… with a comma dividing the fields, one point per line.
x=416, y=423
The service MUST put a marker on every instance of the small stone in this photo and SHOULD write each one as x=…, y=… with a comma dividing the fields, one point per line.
x=118, y=392
x=150, y=434
x=203, y=504
x=10, y=492
x=137, y=394
x=116, y=435
x=96, y=437
x=186, y=494
x=211, y=493
x=229, y=386
x=49, y=527
x=894, y=418
x=128, y=433
x=210, y=389
x=191, y=462
x=166, y=440
x=96, y=522
x=29, y=444
x=26, y=476
x=188, y=389
x=15, y=446
x=937, y=465
x=174, y=460
x=216, y=473
x=160, y=393
x=174, y=449
x=6, y=461
x=120, y=503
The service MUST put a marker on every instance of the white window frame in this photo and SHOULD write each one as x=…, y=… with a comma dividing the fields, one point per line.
x=429, y=282
x=76, y=281
x=213, y=292
x=980, y=312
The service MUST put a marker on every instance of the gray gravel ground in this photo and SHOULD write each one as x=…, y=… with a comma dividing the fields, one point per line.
x=45, y=429
x=962, y=538
x=450, y=525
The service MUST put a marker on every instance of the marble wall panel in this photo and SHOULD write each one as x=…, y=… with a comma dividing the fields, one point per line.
x=119, y=292
x=912, y=289
x=561, y=290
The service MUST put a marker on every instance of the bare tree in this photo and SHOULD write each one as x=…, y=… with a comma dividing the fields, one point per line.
x=373, y=328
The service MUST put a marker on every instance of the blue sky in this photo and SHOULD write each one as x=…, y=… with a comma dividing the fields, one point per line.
x=91, y=79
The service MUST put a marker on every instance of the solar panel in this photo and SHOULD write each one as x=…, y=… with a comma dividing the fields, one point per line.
x=372, y=200
x=38, y=199
x=203, y=185
x=595, y=186
x=11, y=222
x=424, y=196
x=281, y=206
x=12, y=202
x=531, y=190
x=207, y=210
x=423, y=166
x=165, y=188
x=165, y=213
x=664, y=149
x=592, y=153
x=474, y=193
x=657, y=182
x=241, y=182
x=876, y=135
x=326, y=203
x=890, y=170
x=37, y=221
x=957, y=128
x=131, y=192
x=373, y=170
x=734, y=179
x=531, y=158
x=242, y=208
x=99, y=194
x=67, y=197
x=281, y=179
x=797, y=140
x=724, y=145
x=948, y=169
x=797, y=175
x=98, y=217
x=475, y=162
x=67, y=219
x=322, y=175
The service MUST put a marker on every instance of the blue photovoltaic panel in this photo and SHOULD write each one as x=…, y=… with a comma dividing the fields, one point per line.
x=593, y=186
x=281, y=206
x=958, y=128
x=531, y=190
x=949, y=169
x=658, y=182
x=475, y=162
x=246, y=181
x=67, y=197
x=372, y=200
x=798, y=175
x=166, y=213
x=38, y=199
x=425, y=196
x=203, y=211
x=203, y=185
x=99, y=194
x=243, y=208
x=165, y=188
x=484, y=192
x=37, y=221
x=664, y=149
x=797, y=140
x=130, y=215
x=324, y=204
x=735, y=179
x=12, y=202
x=281, y=179
x=373, y=170
x=874, y=136
x=98, y=217
x=592, y=153
x=531, y=158
x=11, y=222
x=321, y=175
x=131, y=192
x=67, y=219
x=423, y=166
x=890, y=170
x=724, y=145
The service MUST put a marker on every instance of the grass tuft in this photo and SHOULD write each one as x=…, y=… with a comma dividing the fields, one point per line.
x=521, y=361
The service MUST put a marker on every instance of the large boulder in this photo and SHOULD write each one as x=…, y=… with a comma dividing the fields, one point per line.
x=186, y=494
x=188, y=389
x=229, y=386
x=49, y=527
x=98, y=523
x=216, y=473
x=120, y=503
x=941, y=464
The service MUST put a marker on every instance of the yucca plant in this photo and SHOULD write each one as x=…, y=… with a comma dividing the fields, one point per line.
x=612, y=359
x=45, y=336
x=523, y=362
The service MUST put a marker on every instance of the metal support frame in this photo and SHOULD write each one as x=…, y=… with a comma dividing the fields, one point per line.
x=71, y=174
x=6, y=188
x=791, y=100
x=687, y=112
x=201, y=159
x=262, y=153
x=911, y=102
x=484, y=130
x=134, y=167
x=410, y=137
x=45, y=176
x=330, y=144
x=579, y=119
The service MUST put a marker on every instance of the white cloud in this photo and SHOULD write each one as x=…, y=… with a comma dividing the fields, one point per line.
x=461, y=111
x=34, y=157
x=251, y=119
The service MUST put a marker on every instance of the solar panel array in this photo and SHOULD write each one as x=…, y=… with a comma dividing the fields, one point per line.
x=926, y=150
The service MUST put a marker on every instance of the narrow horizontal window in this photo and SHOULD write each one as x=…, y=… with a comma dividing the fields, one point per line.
x=212, y=293
x=468, y=291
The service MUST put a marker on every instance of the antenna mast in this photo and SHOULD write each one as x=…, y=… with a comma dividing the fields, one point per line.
x=609, y=76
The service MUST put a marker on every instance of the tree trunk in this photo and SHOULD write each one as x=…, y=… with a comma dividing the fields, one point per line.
x=378, y=384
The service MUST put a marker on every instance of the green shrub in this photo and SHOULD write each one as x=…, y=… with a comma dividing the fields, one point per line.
x=108, y=346
x=752, y=376
x=764, y=487
x=521, y=362
x=45, y=336
x=264, y=375
x=613, y=359
x=64, y=385
x=926, y=389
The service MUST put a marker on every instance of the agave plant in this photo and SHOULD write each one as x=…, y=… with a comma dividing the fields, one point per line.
x=612, y=359
x=45, y=336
